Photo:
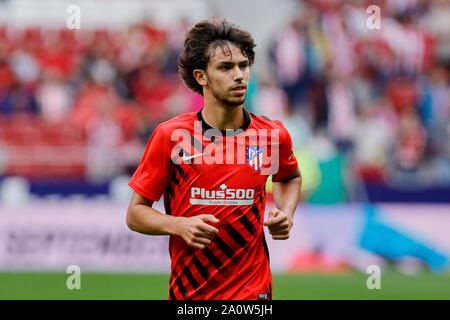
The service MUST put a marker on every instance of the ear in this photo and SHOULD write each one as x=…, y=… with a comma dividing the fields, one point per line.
x=201, y=77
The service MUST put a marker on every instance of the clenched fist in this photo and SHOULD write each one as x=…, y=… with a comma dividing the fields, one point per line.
x=196, y=232
x=279, y=224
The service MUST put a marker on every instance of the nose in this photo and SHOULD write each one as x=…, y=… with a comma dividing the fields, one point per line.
x=238, y=75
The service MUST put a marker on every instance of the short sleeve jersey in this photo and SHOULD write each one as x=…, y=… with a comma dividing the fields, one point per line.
x=201, y=170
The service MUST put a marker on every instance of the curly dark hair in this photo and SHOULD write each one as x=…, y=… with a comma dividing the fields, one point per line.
x=202, y=39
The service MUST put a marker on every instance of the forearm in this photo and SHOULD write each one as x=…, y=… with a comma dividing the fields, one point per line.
x=287, y=195
x=147, y=220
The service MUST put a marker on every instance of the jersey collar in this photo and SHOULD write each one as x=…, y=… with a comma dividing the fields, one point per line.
x=226, y=133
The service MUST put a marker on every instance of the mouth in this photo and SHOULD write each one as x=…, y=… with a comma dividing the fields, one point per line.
x=239, y=89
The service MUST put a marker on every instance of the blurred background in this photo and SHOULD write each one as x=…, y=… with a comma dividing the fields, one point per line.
x=368, y=112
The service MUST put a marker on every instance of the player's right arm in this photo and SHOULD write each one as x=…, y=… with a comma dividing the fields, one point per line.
x=149, y=181
x=142, y=218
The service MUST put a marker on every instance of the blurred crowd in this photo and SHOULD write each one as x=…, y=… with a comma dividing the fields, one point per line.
x=380, y=97
x=114, y=85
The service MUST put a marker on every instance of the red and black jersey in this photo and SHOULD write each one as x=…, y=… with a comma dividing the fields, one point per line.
x=202, y=170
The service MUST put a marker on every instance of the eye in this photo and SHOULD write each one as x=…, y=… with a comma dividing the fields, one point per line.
x=224, y=68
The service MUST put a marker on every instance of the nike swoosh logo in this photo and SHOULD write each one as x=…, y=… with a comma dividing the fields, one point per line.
x=185, y=158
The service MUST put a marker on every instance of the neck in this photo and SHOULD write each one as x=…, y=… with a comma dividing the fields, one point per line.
x=222, y=117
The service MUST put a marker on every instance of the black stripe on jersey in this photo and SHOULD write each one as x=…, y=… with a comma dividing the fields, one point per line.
x=224, y=247
x=172, y=294
x=179, y=170
x=174, y=178
x=236, y=236
x=190, y=277
x=179, y=159
x=196, y=144
x=247, y=224
x=255, y=211
x=200, y=268
x=175, y=160
x=169, y=190
x=180, y=286
x=167, y=201
x=266, y=249
x=212, y=258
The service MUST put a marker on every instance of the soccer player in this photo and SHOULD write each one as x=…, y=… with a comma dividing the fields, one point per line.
x=212, y=167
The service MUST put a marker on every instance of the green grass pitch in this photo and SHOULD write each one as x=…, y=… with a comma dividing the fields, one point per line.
x=14, y=285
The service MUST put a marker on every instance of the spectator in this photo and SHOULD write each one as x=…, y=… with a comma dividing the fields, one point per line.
x=19, y=99
x=54, y=97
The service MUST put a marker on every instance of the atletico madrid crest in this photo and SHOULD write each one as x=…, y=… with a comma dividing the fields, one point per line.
x=255, y=157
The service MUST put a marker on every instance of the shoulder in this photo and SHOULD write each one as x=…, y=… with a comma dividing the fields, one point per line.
x=182, y=121
x=263, y=122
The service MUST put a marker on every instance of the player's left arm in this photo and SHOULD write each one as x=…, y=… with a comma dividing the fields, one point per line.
x=286, y=194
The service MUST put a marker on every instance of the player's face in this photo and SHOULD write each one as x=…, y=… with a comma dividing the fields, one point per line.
x=227, y=75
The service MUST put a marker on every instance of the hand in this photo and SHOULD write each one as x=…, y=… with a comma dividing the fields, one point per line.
x=196, y=232
x=279, y=224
